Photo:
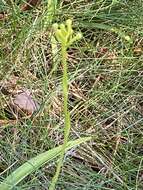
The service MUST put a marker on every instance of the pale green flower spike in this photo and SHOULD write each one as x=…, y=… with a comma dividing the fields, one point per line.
x=64, y=33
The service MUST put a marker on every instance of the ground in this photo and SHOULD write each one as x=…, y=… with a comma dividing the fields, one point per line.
x=105, y=73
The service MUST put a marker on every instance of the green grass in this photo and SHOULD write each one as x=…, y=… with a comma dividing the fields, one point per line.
x=105, y=95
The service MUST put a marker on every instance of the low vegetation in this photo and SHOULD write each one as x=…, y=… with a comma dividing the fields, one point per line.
x=105, y=97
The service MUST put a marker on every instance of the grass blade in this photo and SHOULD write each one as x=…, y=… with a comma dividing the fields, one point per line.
x=106, y=27
x=33, y=164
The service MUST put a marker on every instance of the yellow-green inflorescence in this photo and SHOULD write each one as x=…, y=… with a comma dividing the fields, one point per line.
x=64, y=33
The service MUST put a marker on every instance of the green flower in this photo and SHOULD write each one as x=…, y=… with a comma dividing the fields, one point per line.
x=64, y=33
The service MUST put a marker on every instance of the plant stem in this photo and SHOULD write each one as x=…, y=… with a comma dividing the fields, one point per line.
x=66, y=114
x=51, y=8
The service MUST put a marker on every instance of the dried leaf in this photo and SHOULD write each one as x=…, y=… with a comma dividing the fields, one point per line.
x=26, y=6
x=9, y=86
x=29, y=5
x=7, y=122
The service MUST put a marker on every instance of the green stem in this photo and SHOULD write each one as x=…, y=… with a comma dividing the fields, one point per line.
x=66, y=114
x=51, y=8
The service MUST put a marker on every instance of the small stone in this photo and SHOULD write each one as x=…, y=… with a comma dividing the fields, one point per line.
x=24, y=103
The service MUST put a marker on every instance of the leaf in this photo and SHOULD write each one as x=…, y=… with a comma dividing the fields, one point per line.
x=35, y=163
